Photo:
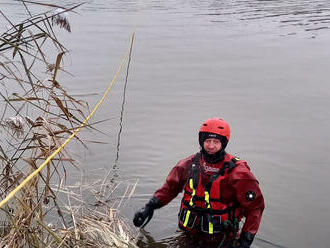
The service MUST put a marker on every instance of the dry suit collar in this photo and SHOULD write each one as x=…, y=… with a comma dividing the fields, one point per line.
x=213, y=158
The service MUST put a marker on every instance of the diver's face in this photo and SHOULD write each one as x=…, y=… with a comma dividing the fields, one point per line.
x=212, y=146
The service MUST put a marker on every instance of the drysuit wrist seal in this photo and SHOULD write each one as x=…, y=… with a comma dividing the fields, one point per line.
x=154, y=203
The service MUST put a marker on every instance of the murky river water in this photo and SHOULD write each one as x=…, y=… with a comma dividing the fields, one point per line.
x=261, y=65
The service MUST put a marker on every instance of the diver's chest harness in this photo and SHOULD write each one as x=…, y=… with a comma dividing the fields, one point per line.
x=201, y=206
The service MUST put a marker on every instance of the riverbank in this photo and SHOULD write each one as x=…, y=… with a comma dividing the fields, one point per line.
x=38, y=118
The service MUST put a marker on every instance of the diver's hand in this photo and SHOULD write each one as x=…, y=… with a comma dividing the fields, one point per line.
x=146, y=212
x=141, y=215
x=245, y=240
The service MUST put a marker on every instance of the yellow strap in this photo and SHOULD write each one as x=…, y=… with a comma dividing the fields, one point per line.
x=207, y=199
x=186, y=219
x=191, y=199
x=210, y=228
x=191, y=183
x=34, y=173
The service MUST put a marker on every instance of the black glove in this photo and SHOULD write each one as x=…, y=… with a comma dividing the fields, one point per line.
x=245, y=240
x=146, y=212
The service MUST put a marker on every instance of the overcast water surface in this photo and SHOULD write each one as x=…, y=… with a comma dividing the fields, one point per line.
x=264, y=66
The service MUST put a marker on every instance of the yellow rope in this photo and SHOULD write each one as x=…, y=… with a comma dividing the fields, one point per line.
x=33, y=174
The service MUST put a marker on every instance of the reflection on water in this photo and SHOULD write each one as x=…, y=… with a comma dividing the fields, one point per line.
x=292, y=15
x=298, y=16
x=301, y=15
x=182, y=240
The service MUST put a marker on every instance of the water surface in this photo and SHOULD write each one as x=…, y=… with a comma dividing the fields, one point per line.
x=261, y=65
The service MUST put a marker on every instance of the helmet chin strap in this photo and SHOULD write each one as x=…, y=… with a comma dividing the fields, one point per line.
x=213, y=158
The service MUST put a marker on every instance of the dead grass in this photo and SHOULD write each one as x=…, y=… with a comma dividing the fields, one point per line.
x=98, y=224
x=37, y=115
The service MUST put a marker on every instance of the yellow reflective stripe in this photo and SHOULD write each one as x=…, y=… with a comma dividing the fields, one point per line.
x=191, y=183
x=210, y=228
x=191, y=199
x=187, y=218
x=207, y=199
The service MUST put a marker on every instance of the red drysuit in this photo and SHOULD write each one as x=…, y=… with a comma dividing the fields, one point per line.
x=239, y=187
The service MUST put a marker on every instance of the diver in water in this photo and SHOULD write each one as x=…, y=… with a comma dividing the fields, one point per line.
x=219, y=191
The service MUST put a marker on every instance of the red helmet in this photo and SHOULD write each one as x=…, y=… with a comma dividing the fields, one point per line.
x=217, y=126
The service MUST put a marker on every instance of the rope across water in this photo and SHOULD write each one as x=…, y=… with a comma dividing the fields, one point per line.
x=42, y=166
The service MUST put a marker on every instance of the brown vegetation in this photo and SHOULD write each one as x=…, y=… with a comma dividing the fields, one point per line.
x=37, y=115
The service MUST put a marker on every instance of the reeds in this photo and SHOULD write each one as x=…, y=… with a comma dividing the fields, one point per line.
x=97, y=224
x=37, y=115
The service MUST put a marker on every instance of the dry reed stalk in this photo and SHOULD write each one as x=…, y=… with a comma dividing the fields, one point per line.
x=37, y=116
x=99, y=224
